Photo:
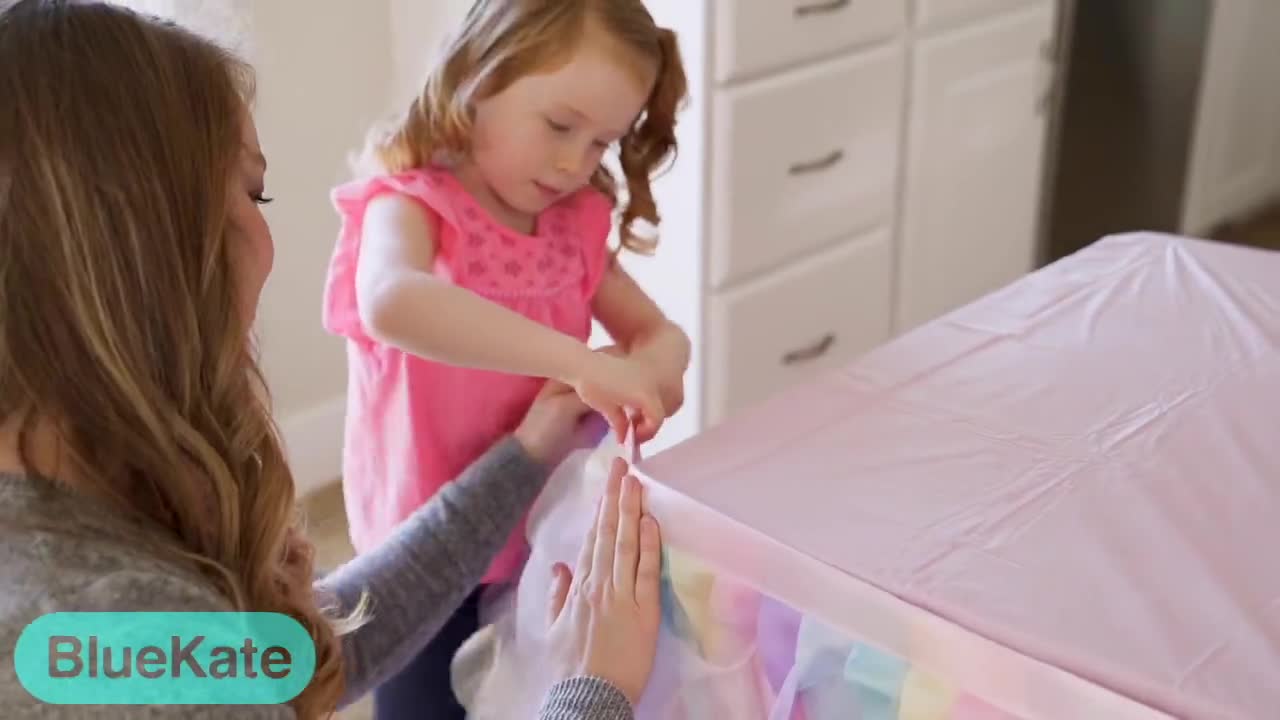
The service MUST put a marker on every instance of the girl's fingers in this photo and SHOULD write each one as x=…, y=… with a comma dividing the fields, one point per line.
x=627, y=547
x=651, y=417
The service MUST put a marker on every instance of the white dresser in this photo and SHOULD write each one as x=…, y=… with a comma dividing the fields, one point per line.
x=848, y=169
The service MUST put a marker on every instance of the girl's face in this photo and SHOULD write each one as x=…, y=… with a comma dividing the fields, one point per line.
x=249, y=234
x=542, y=137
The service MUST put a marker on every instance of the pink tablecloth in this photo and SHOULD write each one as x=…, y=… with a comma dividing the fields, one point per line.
x=1067, y=491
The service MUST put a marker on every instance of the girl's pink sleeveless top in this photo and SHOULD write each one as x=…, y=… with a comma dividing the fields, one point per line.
x=413, y=425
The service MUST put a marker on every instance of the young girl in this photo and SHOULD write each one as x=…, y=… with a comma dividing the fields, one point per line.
x=471, y=263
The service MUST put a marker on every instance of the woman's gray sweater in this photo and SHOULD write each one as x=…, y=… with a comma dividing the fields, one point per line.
x=61, y=552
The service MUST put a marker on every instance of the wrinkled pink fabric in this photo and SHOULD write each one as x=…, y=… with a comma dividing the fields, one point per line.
x=1065, y=498
x=413, y=424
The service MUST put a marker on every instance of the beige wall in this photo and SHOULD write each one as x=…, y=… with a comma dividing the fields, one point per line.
x=325, y=71
x=418, y=27
x=323, y=77
x=321, y=83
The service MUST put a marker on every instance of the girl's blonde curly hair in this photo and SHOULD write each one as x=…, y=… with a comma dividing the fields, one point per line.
x=502, y=40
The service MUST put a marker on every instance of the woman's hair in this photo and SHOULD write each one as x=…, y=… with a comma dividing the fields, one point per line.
x=502, y=40
x=121, y=323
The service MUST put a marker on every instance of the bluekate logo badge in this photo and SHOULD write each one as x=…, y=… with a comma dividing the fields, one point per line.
x=209, y=658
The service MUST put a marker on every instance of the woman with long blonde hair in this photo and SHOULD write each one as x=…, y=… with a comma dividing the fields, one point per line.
x=140, y=469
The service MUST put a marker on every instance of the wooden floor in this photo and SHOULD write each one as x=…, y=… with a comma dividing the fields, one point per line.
x=326, y=523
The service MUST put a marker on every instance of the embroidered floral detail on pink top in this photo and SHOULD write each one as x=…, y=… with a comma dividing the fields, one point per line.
x=413, y=424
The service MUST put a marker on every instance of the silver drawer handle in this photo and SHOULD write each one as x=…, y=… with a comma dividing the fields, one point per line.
x=822, y=7
x=812, y=352
x=821, y=163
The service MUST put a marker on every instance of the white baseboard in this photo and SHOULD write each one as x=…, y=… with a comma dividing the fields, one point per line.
x=313, y=441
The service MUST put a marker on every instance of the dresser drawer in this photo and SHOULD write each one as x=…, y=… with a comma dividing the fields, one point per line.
x=943, y=12
x=756, y=36
x=802, y=159
x=812, y=317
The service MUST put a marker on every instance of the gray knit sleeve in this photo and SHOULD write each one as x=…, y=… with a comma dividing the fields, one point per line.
x=420, y=575
x=417, y=578
x=585, y=698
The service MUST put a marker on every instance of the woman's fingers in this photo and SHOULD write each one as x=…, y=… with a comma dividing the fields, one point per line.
x=552, y=387
x=604, y=630
x=627, y=547
x=649, y=565
x=617, y=418
x=607, y=526
x=587, y=552
x=561, y=581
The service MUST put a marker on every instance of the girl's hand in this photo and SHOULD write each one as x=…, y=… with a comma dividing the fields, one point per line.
x=668, y=374
x=666, y=354
x=605, y=614
x=547, y=430
x=611, y=385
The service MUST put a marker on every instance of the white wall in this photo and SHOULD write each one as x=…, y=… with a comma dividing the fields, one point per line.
x=418, y=27
x=323, y=78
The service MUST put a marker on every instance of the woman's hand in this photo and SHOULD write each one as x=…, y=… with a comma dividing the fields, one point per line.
x=547, y=430
x=605, y=615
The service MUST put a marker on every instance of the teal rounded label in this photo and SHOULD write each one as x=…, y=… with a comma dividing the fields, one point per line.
x=163, y=658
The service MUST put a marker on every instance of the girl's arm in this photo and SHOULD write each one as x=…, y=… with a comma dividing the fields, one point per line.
x=404, y=305
x=643, y=332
